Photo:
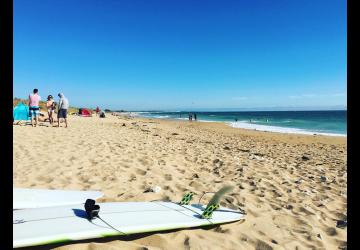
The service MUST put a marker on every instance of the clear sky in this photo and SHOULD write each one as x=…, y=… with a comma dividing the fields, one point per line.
x=150, y=54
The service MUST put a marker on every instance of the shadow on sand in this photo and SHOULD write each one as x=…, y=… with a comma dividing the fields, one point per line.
x=112, y=238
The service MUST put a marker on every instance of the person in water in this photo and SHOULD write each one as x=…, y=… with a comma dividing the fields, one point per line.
x=195, y=117
x=50, y=105
x=34, y=108
x=63, y=108
x=236, y=119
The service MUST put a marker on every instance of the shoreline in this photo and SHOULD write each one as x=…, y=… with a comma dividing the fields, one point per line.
x=257, y=127
x=250, y=132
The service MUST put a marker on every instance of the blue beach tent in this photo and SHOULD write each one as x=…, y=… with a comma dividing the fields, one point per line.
x=21, y=112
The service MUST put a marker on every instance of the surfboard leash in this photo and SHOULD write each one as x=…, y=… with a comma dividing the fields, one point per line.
x=92, y=211
x=111, y=226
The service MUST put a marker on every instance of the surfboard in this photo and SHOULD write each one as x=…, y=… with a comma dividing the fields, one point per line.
x=36, y=198
x=42, y=226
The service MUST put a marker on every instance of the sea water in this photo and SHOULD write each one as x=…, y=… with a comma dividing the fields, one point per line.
x=332, y=122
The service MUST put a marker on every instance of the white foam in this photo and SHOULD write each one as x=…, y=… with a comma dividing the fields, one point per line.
x=246, y=125
x=160, y=116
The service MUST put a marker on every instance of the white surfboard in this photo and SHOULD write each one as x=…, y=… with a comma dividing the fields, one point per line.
x=35, y=198
x=42, y=226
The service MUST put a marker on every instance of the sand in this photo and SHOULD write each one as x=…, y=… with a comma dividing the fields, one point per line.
x=292, y=187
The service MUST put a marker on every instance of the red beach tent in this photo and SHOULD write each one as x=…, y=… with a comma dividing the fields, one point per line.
x=85, y=112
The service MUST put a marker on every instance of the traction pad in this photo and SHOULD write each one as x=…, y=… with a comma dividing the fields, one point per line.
x=209, y=210
x=186, y=199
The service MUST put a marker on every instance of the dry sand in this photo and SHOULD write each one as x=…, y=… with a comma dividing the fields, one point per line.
x=293, y=187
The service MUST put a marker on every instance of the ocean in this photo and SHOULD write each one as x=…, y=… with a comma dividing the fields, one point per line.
x=333, y=123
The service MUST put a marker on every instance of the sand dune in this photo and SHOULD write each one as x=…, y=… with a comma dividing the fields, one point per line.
x=293, y=187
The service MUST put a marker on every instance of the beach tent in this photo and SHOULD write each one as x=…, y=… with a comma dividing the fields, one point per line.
x=85, y=112
x=21, y=112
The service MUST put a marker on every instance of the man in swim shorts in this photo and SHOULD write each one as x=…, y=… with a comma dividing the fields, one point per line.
x=63, y=108
x=34, y=108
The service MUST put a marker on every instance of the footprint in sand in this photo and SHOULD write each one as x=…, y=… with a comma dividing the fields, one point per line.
x=168, y=177
x=331, y=231
x=143, y=162
x=182, y=171
x=291, y=223
x=161, y=162
x=342, y=244
x=45, y=179
x=219, y=229
x=132, y=178
x=140, y=172
x=261, y=245
x=197, y=185
x=187, y=243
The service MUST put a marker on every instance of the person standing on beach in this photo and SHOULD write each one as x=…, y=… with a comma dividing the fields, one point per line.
x=195, y=118
x=63, y=108
x=97, y=110
x=50, y=105
x=34, y=108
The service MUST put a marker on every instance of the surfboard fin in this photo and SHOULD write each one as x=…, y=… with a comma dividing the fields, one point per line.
x=214, y=202
x=186, y=198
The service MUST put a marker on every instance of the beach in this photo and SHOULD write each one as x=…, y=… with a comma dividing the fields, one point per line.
x=293, y=187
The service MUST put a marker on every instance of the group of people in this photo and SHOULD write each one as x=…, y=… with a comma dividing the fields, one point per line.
x=34, y=108
x=192, y=116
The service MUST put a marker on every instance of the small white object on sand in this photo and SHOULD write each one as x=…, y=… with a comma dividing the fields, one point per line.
x=156, y=189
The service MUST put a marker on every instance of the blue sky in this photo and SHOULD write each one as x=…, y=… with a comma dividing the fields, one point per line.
x=142, y=55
